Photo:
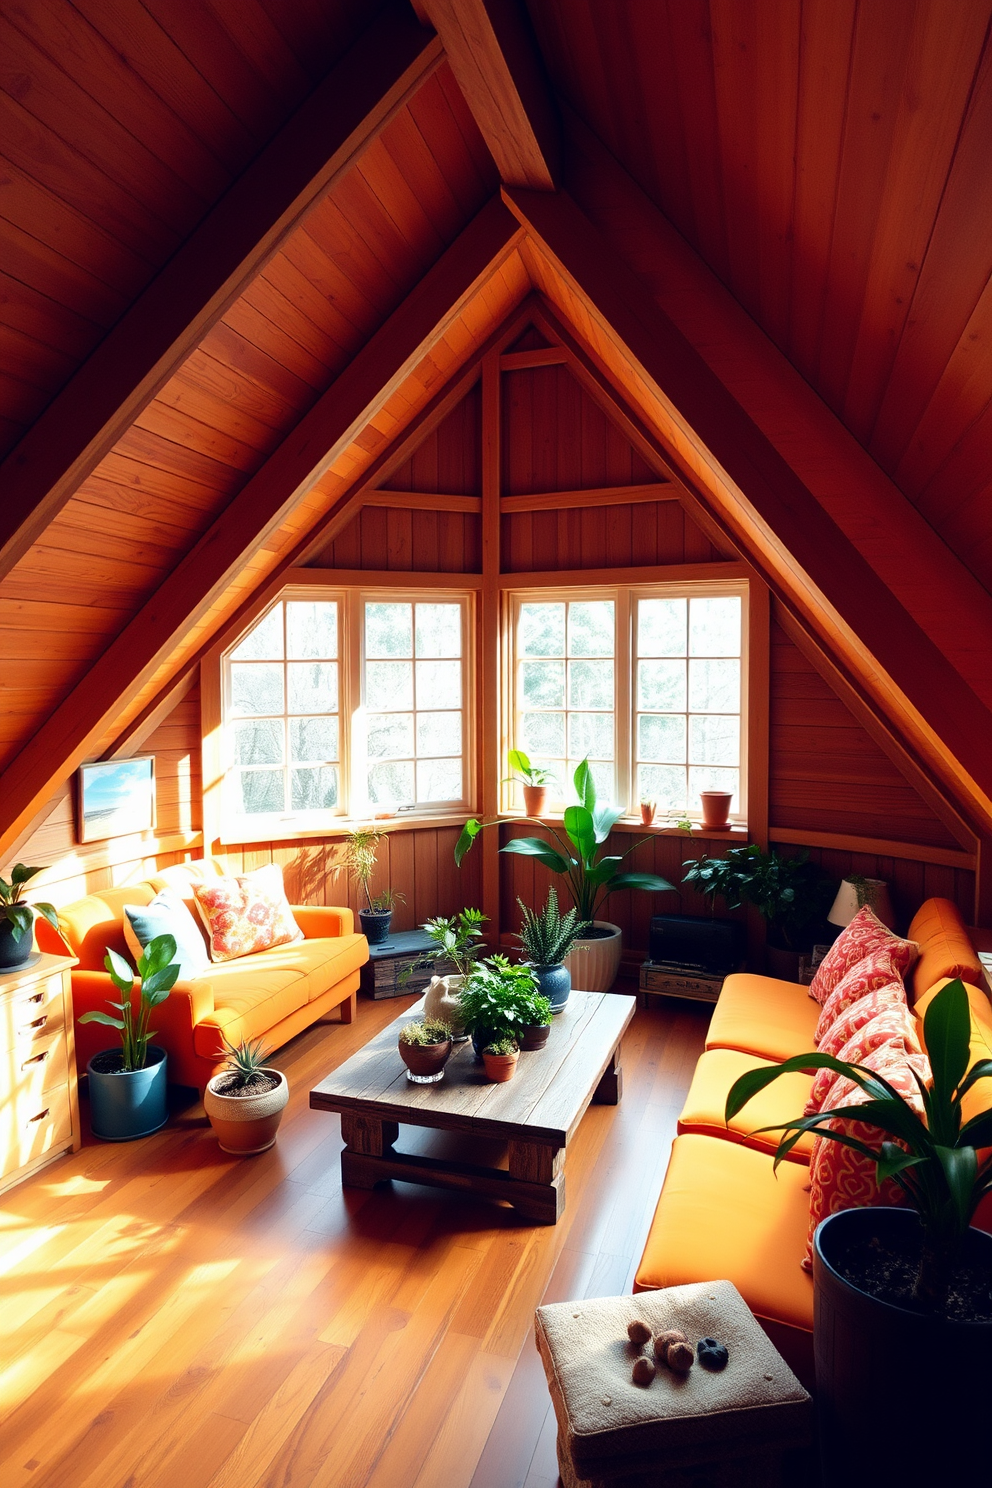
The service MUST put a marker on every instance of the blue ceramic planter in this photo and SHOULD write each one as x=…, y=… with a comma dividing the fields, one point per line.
x=554, y=983
x=129, y=1103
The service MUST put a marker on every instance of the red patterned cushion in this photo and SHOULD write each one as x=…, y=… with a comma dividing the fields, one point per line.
x=247, y=913
x=876, y=970
x=860, y=938
x=892, y=1024
x=841, y=1178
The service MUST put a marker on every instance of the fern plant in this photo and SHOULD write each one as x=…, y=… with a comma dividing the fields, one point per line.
x=547, y=935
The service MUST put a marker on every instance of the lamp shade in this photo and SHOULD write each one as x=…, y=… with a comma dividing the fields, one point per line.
x=874, y=893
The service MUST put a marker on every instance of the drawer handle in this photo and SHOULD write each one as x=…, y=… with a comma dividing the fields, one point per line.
x=37, y=997
x=36, y=1058
x=38, y=1023
x=40, y=1116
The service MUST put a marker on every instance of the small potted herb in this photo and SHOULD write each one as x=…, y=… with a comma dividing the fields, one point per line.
x=128, y=1085
x=360, y=849
x=547, y=937
x=17, y=919
x=456, y=940
x=500, y=1057
x=533, y=778
x=497, y=1000
x=246, y=1100
x=425, y=1048
x=537, y=1015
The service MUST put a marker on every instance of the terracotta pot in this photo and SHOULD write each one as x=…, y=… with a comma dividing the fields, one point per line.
x=535, y=797
x=716, y=809
x=535, y=1037
x=595, y=960
x=246, y=1124
x=500, y=1067
x=443, y=1004
x=425, y=1062
x=648, y=809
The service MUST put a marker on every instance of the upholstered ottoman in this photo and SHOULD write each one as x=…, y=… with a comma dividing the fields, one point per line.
x=748, y=1426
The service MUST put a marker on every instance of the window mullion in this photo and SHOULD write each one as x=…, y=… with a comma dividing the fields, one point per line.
x=623, y=695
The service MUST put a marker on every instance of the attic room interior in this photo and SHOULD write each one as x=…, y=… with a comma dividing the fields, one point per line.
x=496, y=614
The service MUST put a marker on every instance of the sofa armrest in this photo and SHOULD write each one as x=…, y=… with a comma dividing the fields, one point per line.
x=318, y=921
x=188, y=1003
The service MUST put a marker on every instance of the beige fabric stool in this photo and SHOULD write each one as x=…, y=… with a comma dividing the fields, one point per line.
x=748, y=1426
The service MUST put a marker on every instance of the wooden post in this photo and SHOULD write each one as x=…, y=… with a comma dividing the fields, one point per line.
x=490, y=732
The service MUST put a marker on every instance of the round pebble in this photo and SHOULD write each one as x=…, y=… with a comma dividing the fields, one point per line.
x=680, y=1357
x=644, y=1370
x=715, y=1356
x=662, y=1340
x=638, y=1332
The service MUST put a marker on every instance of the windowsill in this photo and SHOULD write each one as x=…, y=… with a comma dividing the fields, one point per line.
x=737, y=831
x=237, y=835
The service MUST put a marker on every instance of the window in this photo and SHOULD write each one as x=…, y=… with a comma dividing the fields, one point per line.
x=645, y=682
x=341, y=704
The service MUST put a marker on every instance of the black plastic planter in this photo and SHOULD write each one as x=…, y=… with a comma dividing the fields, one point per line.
x=375, y=927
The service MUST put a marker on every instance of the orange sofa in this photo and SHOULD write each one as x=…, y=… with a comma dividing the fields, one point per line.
x=723, y=1213
x=271, y=995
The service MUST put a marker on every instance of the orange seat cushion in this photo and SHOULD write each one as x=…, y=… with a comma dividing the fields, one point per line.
x=249, y=999
x=724, y=1214
x=945, y=949
x=758, y=1015
x=706, y=1102
x=322, y=963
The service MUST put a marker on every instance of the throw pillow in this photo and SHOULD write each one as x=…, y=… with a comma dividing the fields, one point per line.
x=892, y=1024
x=841, y=1178
x=859, y=1013
x=860, y=938
x=167, y=915
x=246, y=913
x=876, y=970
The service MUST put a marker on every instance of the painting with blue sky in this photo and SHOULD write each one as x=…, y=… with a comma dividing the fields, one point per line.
x=117, y=797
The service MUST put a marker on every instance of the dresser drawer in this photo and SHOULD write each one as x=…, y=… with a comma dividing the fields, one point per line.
x=32, y=1067
x=31, y=1126
x=32, y=1014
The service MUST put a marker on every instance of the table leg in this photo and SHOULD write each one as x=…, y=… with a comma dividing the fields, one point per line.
x=542, y=1170
x=365, y=1137
x=610, y=1088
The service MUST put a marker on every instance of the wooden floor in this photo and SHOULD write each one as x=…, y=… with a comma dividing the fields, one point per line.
x=171, y=1316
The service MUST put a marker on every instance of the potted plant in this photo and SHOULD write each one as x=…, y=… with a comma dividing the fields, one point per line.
x=792, y=894
x=425, y=1048
x=590, y=875
x=536, y=1027
x=360, y=849
x=903, y=1293
x=716, y=809
x=128, y=1085
x=533, y=778
x=500, y=1058
x=17, y=919
x=245, y=1101
x=497, y=1000
x=456, y=941
x=547, y=937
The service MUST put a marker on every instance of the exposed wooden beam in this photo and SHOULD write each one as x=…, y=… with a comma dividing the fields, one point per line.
x=878, y=847
x=239, y=235
x=541, y=356
x=263, y=503
x=141, y=728
x=377, y=578
x=771, y=512
x=422, y=501
x=494, y=57
x=607, y=496
x=659, y=573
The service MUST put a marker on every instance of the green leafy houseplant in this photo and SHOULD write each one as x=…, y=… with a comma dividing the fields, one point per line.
x=547, y=935
x=18, y=915
x=361, y=847
x=934, y=1160
x=424, y=1034
x=455, y=938
x=501, y=1047
x=590, y=876
x=244, y=1065
x=792, y=894
x=157, y=974
x=521, y=769
x=499, y=999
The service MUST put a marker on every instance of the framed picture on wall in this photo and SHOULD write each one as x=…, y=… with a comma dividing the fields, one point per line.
x=116, y=798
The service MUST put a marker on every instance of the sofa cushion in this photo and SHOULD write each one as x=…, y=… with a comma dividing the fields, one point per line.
x=92, y=924
x=322, y=963
x=249, y=999
x=847, y=1023
x=706, y=1103
x=877, y=969
x=246, y=913
x=864, y=935
x=167, y=915
x=758, y=1015
x=892, y=1024
x=945, y=950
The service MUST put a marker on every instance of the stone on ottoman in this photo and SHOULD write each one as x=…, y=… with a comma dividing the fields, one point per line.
x=749, y=1424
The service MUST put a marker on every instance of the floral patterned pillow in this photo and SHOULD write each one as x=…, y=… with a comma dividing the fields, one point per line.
x=859, y=939
x=841, y=1178
x=892, y=1023
x=876, y=970
x=247, y=913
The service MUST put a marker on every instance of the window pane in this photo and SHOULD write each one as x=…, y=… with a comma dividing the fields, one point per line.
x=313, y=686
x=715, y=686
x=714, y=740
x=388, y=629
x=391, y=783
x=439, y=630
x=311, y=629
x=315, y=790
x=313, y=740
x=259, y=742
x=590, y=684
x=255, y=688
x=661, y=684
x=715, y=626
x=704, y=777
x=541, y=631
x=543, y=734
x=590, y=734
x=262, y=790
x=543, y=684
x=264, y=641
x=389, y=684
x=661, y=627
x=439, y=780
x=664, y=784
x=390, y=735
x=590, y=628
x=661, y=738
x=439, y=733
x=439, y=683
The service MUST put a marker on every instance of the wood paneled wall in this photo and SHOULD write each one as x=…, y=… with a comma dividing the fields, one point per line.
x=555, y=438
x=622, y=536
x=388, y=538
x=910, y=881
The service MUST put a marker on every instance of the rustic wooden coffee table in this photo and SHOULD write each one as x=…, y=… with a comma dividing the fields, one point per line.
x=535, y=1114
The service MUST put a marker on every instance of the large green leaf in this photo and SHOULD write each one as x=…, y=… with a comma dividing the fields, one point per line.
x=102, y=1018
x=641, y=881
x=120, y=972
x=519, y=761
x=947, y=1034
x=604, y=870
x=581, y=833
x=585, y=786
x=158, y=953
x=21, y=920
x=21, y=873
x=535, y=847
x=469, y=832
x=48, y=912
x=747, y=1086
x=960, y=1165
x=161, y=981
x=605, y=819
